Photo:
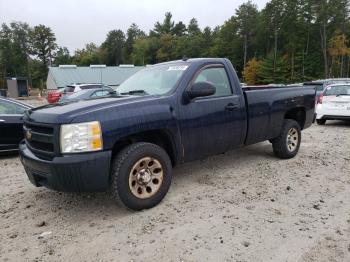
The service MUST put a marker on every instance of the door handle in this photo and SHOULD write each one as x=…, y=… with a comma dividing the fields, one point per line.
x=2, y=120
x=231, y=107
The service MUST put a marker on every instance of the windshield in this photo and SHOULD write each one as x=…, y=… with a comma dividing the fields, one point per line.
x=338, y=90
x=154, y=80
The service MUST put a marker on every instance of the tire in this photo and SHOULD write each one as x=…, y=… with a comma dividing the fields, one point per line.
x=287, y=144
x=141, y=176
x=321, y=121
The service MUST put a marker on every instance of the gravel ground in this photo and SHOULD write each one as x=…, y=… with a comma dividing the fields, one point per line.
x=244, y=205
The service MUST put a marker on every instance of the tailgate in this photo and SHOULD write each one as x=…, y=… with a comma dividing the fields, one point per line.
x=336, y=102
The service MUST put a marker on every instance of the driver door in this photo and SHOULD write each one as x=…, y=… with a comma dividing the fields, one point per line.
x=211, y=125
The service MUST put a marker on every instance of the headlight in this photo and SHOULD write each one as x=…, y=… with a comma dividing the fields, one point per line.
x=81, y=137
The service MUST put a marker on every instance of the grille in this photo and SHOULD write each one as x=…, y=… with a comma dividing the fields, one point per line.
x=42, y=139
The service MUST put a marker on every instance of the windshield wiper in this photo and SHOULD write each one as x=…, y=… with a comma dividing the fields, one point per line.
x=135, y=92
x=342, y=95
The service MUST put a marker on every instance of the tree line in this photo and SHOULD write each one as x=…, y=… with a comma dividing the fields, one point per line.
x=287, y=41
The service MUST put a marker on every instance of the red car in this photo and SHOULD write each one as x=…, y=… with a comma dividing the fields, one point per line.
x=54, y=96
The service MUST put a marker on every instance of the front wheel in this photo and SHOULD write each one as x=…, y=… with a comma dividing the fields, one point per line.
x=141, y=175
x=287, y=144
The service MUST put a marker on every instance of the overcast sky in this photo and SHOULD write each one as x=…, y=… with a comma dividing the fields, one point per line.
x=77, y=22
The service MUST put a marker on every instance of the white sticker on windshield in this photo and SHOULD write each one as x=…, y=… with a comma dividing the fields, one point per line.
x=177, y=68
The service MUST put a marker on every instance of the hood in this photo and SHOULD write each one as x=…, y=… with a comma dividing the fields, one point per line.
x=63, y=113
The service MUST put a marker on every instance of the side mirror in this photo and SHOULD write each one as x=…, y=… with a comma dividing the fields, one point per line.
x=113, y=92
x=201, y=89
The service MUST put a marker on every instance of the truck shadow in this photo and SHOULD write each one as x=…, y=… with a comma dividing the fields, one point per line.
x=336, y=123
x=229, y=160
x=8, y=155
x=103, y=206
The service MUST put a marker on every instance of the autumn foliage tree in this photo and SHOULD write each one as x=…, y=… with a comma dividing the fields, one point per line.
x=338, y=50
x=250, y=72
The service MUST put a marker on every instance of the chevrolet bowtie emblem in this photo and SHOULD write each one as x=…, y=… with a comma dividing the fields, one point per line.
x=29, y=134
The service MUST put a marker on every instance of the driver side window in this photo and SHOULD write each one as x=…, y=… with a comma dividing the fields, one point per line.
x=217, y=76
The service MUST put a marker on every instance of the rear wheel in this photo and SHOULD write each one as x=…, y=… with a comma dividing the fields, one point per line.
x=141, y=175
x=287, y=144
x=321, y=121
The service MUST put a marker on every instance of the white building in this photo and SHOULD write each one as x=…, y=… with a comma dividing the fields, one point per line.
x=94, y=74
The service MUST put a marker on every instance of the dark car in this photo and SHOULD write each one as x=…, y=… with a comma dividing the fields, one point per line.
x=11, y=124
x=164, y=115
x=88, y=94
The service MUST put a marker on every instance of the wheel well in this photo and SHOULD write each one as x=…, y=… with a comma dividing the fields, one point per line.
x=159, y=137
x=298, y=114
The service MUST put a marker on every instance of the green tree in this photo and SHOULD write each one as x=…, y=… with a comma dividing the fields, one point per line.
x=273, y=19
x=193, y=27
x=145, y=50
x=166, y=50
x=90, y=55
x=62, y=56
x=273, y=70
x=166, y=27
x=329, y=15
x=113, y=48
x=15, y=49
x=179, y=29
x=43, y=46
x=247, y=20
x=228, y=44
x=133, y=33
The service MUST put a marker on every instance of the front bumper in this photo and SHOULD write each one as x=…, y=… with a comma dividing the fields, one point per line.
x=87, y=172
x=331, y=113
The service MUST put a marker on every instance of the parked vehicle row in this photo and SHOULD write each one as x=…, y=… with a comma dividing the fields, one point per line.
x=56, y=95
x=88, y=94
x=163, y=115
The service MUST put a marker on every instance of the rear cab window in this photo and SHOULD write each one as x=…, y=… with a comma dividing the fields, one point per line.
x=319, y=87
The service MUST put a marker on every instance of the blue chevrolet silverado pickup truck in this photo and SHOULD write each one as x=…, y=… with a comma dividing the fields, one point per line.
x=164, y=115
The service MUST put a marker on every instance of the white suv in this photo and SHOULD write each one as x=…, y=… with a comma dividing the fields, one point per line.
x=333, y=104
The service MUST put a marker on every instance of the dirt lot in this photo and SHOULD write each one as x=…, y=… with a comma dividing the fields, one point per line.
x=245, y=205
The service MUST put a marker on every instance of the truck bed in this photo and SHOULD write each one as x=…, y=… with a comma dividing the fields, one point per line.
x=266, y=107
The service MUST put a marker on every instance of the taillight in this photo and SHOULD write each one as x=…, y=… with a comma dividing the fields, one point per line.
x=54, y=96
x=320, y=98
